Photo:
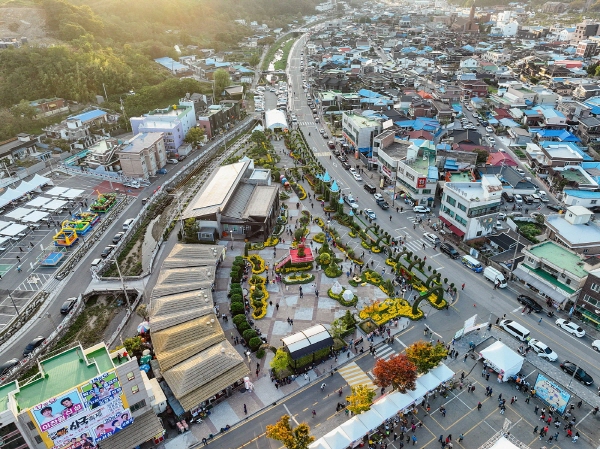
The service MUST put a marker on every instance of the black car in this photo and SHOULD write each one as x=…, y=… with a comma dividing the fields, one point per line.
x=68, y=305
x=118, y=236
x=106, y=251
x=346, y=165
x=449, y=250
x=529, y=302
x=383, y=204
x=35, y=343
x=554, y=207
x=6, y=366
x=580, y=375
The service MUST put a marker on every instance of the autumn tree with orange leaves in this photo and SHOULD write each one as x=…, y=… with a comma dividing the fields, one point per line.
x=398, y=371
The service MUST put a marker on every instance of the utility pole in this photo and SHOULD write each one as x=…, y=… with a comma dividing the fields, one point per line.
x=13, y=302
x=512, y=267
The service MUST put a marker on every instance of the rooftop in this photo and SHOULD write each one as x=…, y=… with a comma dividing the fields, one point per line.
x=171, y=111
x=362, y=121
x=141, y=141
x=4, y=390
x=87, y=116
x=560, y=256
x=574, y=234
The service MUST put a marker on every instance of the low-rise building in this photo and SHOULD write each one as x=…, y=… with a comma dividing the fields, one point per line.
x=360, y=131
x=46, y=107
x=417, y=174
x=587, y=307
x=174, y=122
x=585, y=198
x=78, y=128
x=470, y=209
x=219, y=117
x=81, y=396
x=575, y=230
x=553, y=271
x=143, y=155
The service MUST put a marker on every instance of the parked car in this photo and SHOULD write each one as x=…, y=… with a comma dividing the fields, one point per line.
x=554, y=207
x=68, y=305
x=596, y=345
x=106, y=251
x=543, y=350
x=570, y=327
x=529, y=302
x=421, y=210
x=357, y=176
x=580, y=374
x=172, y=161
x=432, y=238
x=33, y=345
x=330, y=144
x=369, y=213
x=448, y=249
x=6, y=366
x=378, y=196
x=118, y=236
x=518, y=199
x=346, y=165
x=383, y=204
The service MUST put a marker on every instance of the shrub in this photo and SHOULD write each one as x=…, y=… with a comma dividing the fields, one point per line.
x=260, y=353
x=236, y=297
x=255, y=343
x=237, y=308
x=243, y=326
x=238, y=319
x=249, y=334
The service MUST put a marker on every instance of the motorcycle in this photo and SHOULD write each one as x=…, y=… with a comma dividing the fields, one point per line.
x=550, y=313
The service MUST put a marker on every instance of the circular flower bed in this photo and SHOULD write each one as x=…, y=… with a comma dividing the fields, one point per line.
x=319, y=238
x=298, y=278
x=339, y=298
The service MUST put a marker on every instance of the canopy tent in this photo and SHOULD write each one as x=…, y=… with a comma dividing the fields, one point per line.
x=371, y=419
x=429, y=381
x=502, y=359
x=38, y=202
x=275, y=119
x=9, y=196
x=418, y=393
x=337, y=439
x=35, y=216
x=385, y=407
x=41, y=181
x=401, y=401
x=319, y=444
x=2, y=240
x=54, y=205
x=307, y=341
x=442, y=372
x=57, y=191
x=72, y=193
x=18, y=213
x=354, y=429
x=5, y=224
x=13, y=230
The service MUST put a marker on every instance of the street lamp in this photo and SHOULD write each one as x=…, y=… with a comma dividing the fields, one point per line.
x=13, y=302
x=122, y=283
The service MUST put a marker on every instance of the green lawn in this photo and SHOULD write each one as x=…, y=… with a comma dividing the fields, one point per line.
x=282, y=63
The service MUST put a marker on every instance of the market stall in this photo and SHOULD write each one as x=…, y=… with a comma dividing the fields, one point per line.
x=418, y=393
x=14, y=230
x=54, y=205
x=385, y=407
x=57, y=191
x=371, y=419
x=71, y=194
x=442, y=372
x=18, y=213
x=35, y=216
x=428, y=381
x=337, y=438
x=354, y=429
x=319, y=444
x=402, y=401
x=503, y=360
x=38, y=202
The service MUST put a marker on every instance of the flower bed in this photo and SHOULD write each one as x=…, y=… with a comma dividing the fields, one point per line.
x=258, y=297
x=319, y=238
x=352, y=233
x=333, y=271
x=257, y=246
x=271, y=241
x=319, y=221
x=341, y=300
x=301, y=192
x=301, y=278
x=372, y=277
x=375, y=249
x=257, y=262
x=295, y=267
x=383, y=311
x=278, y=229
x=330, y=209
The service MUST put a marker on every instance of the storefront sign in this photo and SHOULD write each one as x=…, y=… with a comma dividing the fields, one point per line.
x=421, y=183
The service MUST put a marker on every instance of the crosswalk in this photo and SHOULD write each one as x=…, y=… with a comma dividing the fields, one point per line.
x=355, y=376
x=385, y=352
x=307, y=123
x=417, y=245
x=323, y=154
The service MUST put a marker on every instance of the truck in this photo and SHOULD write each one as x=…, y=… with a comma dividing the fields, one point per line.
x=495, y=276
x=350, y=201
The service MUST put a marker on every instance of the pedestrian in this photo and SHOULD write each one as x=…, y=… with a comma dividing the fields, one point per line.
x=535, y=429
x=395, y=436
x=245, y=410
x=414, y=440
x=535, y=410
x=441, y=438
x=539, y=321
x=576, y=437
x=314, y=413
x=277, y=306
x=479, y=406
x=487, y=376
x=556, y=436
x=579, y=404
x=462, y=287
x=465, y=358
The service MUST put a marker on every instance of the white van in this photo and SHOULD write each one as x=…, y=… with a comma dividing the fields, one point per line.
x=127, y=224
x=543, y=196
x=472, y=263
x=491, y=274
x=536, y=197
x=515, y=329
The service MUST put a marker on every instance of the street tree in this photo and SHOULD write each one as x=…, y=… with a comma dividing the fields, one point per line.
x=338, y=328
x=254, y=60
x=425, y=355
x=291, y=438
x=361, y=399
x=397, y=372
x=281, y=360
x=195, y=135
x=222, y=80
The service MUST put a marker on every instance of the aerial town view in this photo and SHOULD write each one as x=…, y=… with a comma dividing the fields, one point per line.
x=299, y=224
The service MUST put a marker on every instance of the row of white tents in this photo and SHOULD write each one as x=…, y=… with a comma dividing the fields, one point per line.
x=35, y=184
x=351, y=433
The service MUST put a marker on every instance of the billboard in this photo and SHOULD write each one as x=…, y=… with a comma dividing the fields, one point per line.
x=551, y=394
x=57, y=410
x=101, y=390
x=421, y=183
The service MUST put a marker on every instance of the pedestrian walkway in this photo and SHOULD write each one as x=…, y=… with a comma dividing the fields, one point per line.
x=385, y=352
x=417, y=245
x=307, y=123
x=355, y=376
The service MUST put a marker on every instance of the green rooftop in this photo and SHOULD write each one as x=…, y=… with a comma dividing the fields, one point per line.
x=63, y=372
x=461, y=177
x=550, y=279
x=4, y=390
x=559, y=256
x=574, y=175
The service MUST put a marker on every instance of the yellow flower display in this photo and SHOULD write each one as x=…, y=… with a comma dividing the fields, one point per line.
x=257, y=262
x=383, y=311
x=271, y=241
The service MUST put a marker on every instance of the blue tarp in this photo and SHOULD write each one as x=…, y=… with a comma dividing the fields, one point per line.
x=509, y=123
x=368, y=93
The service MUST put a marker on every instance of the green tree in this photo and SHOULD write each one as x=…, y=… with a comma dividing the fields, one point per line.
x=297, y=438
x=482, y=155
x=361, y=399
x=254, y=60
x=338, y=328
x=133, y=345
x=281, y=360
x=425, y=355
x=222, y=80
x=195, y=135
x=23, y=109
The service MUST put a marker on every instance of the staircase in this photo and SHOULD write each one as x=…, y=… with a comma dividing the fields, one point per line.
x=283, y=261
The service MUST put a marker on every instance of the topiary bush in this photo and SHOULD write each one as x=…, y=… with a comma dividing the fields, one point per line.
x=238, y=319
x=249, y=334
x=260, y=353
x=243, y=326
x=255, y=343
x=237, y=308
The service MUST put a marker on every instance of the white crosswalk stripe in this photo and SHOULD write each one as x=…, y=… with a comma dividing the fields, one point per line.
x=307, y=123
x=354, y=375
x=417, y=245
x=385, y=352
x=323, y=154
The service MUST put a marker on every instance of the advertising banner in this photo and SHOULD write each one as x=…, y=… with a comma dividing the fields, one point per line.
x=421, y=183
x=101, y=390
x=57, y=410
x=551, y=394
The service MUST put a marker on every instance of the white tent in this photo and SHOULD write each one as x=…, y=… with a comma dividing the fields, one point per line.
x=442, y=372
x=371, y=419
x=429, y=381
x=418, y=393
x=72, y=193
x=38, y=202
x=2, y=240
x=5, y=224
x=18, y=213
x=354, y=429
x=337, y=439
x=9, y=196
x=402, y=401
x=41, y=180
x=275, y=119
x=385, y=407
x=13, y=230
x=319, y=444
x=503, y=359
x=35, y=216
x=54, y=205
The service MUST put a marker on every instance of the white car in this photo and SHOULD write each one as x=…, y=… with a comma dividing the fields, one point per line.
x=596, y=345
x=352, y=170
x=431, y=238
x=378, y=196
x=489, y=129
x=421, y=210
x=491, y=140
x=357, y=176
x=469, y=108
x=570, y=327
x=543, y=350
